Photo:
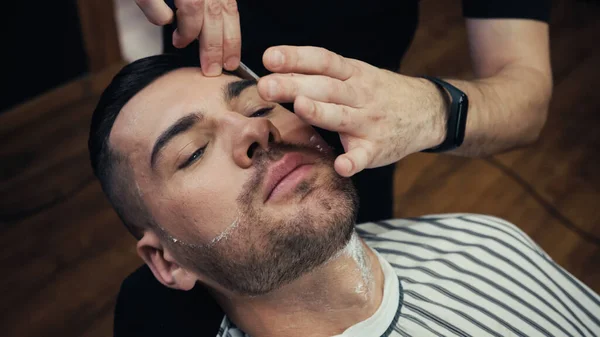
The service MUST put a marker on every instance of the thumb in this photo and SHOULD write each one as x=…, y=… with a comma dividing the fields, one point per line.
x=353, y=161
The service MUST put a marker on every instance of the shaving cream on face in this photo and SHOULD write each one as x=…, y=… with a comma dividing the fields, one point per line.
x=221, y=236
x=225, y=234
x=314, y=141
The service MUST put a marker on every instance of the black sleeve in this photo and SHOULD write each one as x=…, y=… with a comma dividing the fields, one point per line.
x=507, y=9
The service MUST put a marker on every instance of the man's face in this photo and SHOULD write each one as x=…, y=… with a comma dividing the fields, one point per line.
x=244, y=191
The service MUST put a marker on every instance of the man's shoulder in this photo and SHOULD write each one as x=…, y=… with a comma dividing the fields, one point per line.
x=481, y=264
x=383, y=226
x=466, y=229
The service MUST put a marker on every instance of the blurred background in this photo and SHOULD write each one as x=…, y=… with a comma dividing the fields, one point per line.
x=64, y=253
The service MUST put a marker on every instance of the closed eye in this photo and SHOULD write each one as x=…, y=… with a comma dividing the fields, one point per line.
x=193, y=158
x=262, y=112
x=198, y=153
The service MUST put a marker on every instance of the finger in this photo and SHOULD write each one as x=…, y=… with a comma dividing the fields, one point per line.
x=352, y=162
x=307, y=60
x=285, y=88
x=156, y=11
x=211, y=39
x=329, y=116
x=232, y=37
x=190, y=15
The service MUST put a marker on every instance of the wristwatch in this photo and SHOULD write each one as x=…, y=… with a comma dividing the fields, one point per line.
x=457, y=116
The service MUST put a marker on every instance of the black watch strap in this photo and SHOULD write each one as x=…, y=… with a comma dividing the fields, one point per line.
x=457, y=116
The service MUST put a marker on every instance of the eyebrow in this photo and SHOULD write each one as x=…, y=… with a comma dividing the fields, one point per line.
x=231, y=90
x=182, y=125
x=235, y=89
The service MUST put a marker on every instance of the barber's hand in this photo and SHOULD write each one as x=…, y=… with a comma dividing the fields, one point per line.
x=381, y=116
x=216, y=23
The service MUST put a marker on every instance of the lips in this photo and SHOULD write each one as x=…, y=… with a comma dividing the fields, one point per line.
x=281, y=169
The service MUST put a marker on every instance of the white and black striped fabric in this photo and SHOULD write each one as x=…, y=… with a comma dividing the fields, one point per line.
x=476, y=275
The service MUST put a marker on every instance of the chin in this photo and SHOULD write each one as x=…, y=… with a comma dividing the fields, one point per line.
x=324, y=206
x=278, y=243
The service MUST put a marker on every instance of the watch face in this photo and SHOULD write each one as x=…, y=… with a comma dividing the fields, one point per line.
x=457, y=119
x=461, y=116
x=463, y=103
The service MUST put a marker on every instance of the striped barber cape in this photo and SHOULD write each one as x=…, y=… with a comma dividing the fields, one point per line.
x=468, y=275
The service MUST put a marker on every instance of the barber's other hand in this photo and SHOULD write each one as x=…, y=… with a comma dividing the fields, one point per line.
x=381, y=116
x=216, y=23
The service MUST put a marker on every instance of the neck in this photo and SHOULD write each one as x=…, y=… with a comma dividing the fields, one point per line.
x=342, y=292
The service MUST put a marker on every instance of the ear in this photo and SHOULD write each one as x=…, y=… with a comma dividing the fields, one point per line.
x=162, y=264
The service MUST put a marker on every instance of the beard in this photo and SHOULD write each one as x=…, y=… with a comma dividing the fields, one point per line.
x=267, y=251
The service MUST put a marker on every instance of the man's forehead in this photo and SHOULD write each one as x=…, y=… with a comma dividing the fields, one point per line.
x=161, y=103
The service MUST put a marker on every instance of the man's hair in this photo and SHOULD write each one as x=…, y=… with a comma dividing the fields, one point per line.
x=110, y=166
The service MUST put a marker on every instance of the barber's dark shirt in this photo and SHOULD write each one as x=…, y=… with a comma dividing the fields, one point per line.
x=376, y=31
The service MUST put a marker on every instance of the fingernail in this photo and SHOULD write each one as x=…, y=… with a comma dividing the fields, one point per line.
x=312, y=107
x=214, y=69
x=176, y=39
x=347, y=164
x=232, y=63
x=276, y=58
x=272, y=88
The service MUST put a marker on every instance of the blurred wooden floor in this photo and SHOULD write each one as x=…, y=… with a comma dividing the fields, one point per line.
x=64, y=252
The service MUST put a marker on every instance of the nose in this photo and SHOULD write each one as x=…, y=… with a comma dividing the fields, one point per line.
x=255, y=133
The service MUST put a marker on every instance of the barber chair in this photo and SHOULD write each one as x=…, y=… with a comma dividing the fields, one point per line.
x=147, y=308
